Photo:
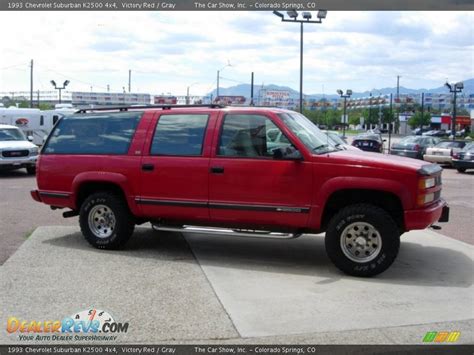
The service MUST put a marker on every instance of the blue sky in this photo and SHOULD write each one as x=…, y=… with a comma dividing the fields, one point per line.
x=169, y=51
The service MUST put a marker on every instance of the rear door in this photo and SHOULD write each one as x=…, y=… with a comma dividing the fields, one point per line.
x=247, y=185
x=175, y=167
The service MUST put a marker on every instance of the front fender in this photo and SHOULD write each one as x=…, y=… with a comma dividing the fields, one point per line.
x=353, y=183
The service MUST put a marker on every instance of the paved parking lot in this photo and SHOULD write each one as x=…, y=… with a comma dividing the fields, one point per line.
x=197, y=288
x=191, y=288
x=20, y=215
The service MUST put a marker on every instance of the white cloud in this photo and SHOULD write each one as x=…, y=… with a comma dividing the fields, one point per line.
x=169, y=51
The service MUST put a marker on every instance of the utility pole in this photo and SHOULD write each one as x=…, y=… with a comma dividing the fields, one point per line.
x=301, y=70
x=251, y=90
x=422, y=108
x=217, y=91
x=31, y=85
x=129, y=80
x=398, y=100
x=390, y=122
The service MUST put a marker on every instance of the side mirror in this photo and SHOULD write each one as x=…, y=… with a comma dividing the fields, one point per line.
x=287, y=153
x=384, y=140
x=30, y=138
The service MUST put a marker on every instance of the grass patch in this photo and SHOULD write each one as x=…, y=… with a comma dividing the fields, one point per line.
x=29, y=233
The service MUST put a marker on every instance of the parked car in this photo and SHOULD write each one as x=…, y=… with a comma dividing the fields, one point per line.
x=436, y=133
x=339, y=141
x=463, y=132
x=194, y=168
x=464, y=159
x=369, y=142
x=16, y=151
x=413, y=146
x=419, y=131
x=442, y=152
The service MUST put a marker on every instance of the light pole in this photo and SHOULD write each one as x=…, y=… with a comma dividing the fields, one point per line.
x=454, y=88
x=345, y=97
x=187, y=93
x=66, y=83
x=293, y=14
x=218, y=77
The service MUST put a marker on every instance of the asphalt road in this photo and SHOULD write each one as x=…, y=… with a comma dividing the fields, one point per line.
x=20, y=215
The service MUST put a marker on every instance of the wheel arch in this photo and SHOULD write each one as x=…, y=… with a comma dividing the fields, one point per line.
x=86, y=184
x=387, y=200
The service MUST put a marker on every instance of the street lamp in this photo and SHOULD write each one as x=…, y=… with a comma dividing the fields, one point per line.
x=345, y=97
x=187, y=93
x=293, y=15
x=454, y=88
x=218, y=77
x=66, y=83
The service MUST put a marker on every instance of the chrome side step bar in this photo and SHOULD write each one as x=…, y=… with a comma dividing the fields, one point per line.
x=224, y=231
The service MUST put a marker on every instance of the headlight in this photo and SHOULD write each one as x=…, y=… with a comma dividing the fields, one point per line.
x=34, y=151
x=426, y=183
x=424, y=199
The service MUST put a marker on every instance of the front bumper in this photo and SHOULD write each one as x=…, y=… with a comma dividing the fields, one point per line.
x=423, y=218
x=18, y=163
x=463, y=164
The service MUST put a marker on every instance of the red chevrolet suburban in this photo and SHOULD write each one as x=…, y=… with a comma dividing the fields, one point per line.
x=241, y=171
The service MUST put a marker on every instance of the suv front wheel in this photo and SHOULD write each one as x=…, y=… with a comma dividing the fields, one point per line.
x=105, y=221
x=362, y=240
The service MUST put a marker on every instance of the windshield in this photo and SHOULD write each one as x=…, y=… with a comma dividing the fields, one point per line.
x=336, y=138
x=411, y=139
x=469, y=148
x=308, y=133
x=11, y=134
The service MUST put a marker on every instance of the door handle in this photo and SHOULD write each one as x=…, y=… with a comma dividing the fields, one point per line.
x=217, y=169
x=148, y=167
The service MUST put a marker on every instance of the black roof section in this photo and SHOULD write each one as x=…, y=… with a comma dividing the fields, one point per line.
x=141, y=107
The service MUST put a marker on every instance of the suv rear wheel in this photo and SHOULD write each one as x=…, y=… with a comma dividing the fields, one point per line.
x=105, y=221
x=362, y=240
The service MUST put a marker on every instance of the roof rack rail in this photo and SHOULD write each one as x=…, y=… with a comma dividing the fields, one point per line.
x=139, y=107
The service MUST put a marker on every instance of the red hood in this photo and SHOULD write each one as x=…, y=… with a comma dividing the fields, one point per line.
x=377, y=160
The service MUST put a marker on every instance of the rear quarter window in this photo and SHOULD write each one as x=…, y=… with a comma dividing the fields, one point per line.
x=104, y=133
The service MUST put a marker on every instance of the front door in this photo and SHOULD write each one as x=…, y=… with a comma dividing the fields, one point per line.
x=175, y=171
x=247, y=185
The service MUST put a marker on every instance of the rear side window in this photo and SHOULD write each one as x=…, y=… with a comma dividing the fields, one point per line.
x=93, y=134
x=179, y=135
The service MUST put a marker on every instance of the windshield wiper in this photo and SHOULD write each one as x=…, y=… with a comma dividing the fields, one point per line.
x=320, y=146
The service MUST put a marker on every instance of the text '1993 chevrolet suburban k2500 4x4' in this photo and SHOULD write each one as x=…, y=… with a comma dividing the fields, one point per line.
x=196, y=168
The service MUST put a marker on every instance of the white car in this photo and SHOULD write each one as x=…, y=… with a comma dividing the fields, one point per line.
x=442, y=153
x=16, y=151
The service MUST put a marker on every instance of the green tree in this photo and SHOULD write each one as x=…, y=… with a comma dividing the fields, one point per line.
x=420, y=120
x=45, y=106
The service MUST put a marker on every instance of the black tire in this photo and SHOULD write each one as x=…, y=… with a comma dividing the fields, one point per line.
x=461, y=170
x=31, y=170
x=114, y=206
x=383, y=225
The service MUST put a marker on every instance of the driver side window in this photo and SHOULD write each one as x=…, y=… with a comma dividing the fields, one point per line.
x=252, y=136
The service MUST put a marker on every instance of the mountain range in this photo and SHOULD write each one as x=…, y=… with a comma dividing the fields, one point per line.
x=244, y=90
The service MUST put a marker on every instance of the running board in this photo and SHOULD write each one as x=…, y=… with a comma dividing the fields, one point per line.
x=230, y=232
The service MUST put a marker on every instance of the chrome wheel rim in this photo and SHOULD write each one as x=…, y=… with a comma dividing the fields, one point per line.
x=101, y=221
x=361, y=242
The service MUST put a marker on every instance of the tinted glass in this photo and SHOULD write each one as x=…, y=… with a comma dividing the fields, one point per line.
x=179, y=135
x=250, y=136
x=107, y=133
